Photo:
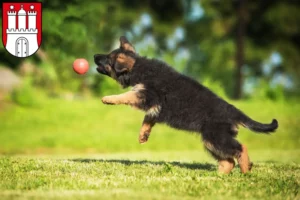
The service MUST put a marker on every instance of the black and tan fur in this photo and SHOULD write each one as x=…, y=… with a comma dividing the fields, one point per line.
x=169, y=97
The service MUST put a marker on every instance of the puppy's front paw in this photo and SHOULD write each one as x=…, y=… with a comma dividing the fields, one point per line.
x=108, y=100
x=144, y=137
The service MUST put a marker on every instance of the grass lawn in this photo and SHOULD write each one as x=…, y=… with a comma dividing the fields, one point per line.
x=147, y=175
x=85, y=150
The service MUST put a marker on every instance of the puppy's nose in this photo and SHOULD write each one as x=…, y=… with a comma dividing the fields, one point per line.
x=96, y=55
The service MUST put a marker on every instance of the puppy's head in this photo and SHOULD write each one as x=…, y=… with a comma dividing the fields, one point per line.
x=119, y=62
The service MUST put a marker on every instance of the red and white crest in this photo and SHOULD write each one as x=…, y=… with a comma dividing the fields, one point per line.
x=22, y=27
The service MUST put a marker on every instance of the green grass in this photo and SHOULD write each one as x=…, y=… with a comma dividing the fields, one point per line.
x=85, y=150
x=147, y=175
x=59, y=126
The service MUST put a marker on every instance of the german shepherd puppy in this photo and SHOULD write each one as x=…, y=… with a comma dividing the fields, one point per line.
x=169, y=97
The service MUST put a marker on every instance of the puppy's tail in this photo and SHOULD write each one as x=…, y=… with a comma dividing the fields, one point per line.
x=257, y=126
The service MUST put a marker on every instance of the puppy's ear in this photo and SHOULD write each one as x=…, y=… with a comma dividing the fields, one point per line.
x=124, y=63
x=124, y=44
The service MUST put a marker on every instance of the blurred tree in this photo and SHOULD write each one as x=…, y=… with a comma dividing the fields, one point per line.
x=211, y=33
x=271, y=26
x=241, y=25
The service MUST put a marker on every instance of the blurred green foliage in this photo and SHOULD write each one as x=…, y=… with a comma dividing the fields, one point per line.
x=196, y=37
x=24, y=95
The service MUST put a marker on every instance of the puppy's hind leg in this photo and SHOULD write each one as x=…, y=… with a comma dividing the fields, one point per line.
x=243, y=160
x=226, y=163
x=225, y=148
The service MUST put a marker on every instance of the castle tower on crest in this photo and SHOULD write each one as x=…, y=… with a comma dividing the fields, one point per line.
x=32, y=19
x=11, y=18
x=22, y=19
x=22, y=41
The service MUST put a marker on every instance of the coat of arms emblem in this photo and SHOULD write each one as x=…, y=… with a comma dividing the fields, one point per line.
x=22, y=28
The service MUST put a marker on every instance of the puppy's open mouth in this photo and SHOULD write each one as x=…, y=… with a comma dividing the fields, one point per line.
x=101, y=69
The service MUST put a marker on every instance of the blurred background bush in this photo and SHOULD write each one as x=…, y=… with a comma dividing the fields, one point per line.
x=242, y=50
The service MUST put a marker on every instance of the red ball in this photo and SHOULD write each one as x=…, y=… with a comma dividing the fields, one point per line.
x=80, y=66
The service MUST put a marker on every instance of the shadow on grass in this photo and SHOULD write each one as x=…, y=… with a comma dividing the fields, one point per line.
x=205, y=166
